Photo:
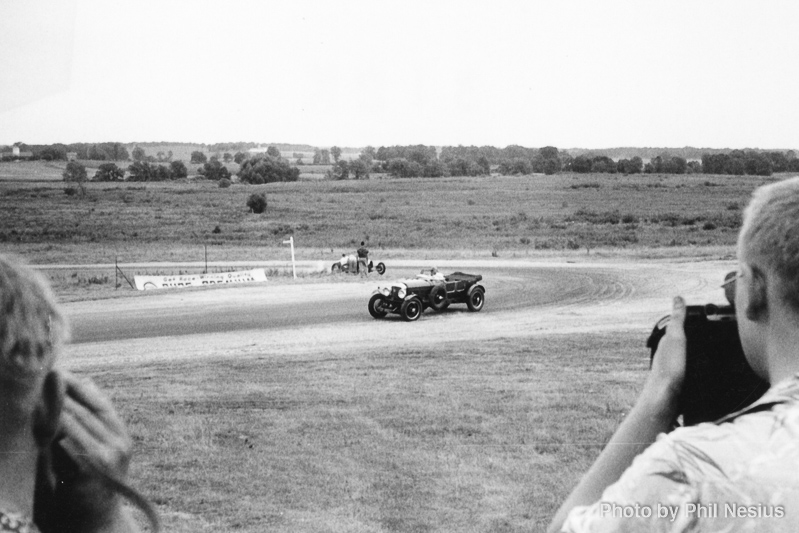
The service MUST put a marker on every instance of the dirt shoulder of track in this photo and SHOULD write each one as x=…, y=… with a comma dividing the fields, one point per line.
x=637, y=295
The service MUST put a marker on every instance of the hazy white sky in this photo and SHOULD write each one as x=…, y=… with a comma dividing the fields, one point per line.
x=590, y=73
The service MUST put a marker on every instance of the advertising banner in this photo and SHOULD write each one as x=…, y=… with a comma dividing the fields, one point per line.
x=144, y=283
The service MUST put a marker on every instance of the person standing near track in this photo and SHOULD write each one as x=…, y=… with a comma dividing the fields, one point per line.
x=363, y=259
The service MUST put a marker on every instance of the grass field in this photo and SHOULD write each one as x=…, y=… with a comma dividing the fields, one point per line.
x=495, y=216
x=487, y=437
x=483, y=437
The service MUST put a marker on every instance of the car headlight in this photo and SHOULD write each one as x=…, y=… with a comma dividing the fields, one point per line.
x=385, y=291
x=402, y=292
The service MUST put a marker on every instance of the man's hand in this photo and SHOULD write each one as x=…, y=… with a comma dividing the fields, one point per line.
x=668, y=365
x=94, y=439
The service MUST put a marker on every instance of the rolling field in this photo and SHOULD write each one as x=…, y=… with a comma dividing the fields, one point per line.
x=459, y=422
x=496, y=216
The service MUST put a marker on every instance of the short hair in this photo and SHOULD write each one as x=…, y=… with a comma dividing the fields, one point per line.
x=363, y=243
x=31, y=326
x=770, y=234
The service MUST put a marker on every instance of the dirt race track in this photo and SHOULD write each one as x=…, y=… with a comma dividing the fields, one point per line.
x=523, y=299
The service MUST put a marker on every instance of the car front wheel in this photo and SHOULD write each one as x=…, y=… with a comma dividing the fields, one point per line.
x=476, y=299
x=376, y=306
x=411, y=309
x=438, y=298
x=335, y=268
x=381, y=268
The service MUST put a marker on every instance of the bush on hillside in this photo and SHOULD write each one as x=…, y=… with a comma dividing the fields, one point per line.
x=257, y=203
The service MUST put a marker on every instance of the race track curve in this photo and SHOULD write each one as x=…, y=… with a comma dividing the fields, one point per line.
x=577, y=293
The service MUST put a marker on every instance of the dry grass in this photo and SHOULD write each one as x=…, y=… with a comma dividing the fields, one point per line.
x=503, y=215
x=487, y=437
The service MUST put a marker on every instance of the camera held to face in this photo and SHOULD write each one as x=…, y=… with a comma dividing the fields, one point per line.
x=718, y=379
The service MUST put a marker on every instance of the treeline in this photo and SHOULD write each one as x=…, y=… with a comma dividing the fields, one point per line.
x=256, y=170
x=109, y=151
x=646, y=153
x=427, y=161
x=740, y=162
x=244, y=146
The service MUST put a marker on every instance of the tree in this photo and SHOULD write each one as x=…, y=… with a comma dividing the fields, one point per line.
x=257, y=203
x=335, y=151
x=484, y=165
x=226, y=157
x=144, y=171
x=548, y=160
x=74, y=172
x=240, y=157
x=118, y=152
x=360, y=170
x=138, y=154
x=53, y=153
x=340, y=171
x=214, y=170
x=109, y=172
x=198, y=157
x=273, y=151
x=581, y=164
x=97, y=153
x=178, y=170
x=267, y=169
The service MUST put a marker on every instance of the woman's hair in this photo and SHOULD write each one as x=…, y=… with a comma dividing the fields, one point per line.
x=31, y=327
x=769, y=237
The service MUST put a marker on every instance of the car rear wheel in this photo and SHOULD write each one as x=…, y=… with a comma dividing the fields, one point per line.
x=438, y=298
x=381, y=268
x=476, y=299
x=411, y=309
x=376, y=306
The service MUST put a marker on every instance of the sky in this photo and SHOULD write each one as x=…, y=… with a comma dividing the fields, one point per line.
x=571, y=74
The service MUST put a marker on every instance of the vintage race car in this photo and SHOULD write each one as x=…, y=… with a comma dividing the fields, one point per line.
x=410, y=297
x=350, y=264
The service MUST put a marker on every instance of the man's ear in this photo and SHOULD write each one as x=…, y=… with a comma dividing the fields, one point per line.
x=47, y=416
x=757, y=297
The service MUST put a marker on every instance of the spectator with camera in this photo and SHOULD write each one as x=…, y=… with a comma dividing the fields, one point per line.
x=739, y=473
x=64, y=451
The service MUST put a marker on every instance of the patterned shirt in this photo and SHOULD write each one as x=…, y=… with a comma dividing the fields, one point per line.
x=16, y=522
x=739, y=474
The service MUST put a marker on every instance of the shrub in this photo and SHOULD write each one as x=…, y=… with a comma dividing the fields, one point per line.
x=224, y=183
x=257, y=203
x=144, y=171
x=267, y=169
x=198, y=157
x=109, y=172
x=586, y=185
x=74, y=172
x=178, y=170
x=214, y=170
